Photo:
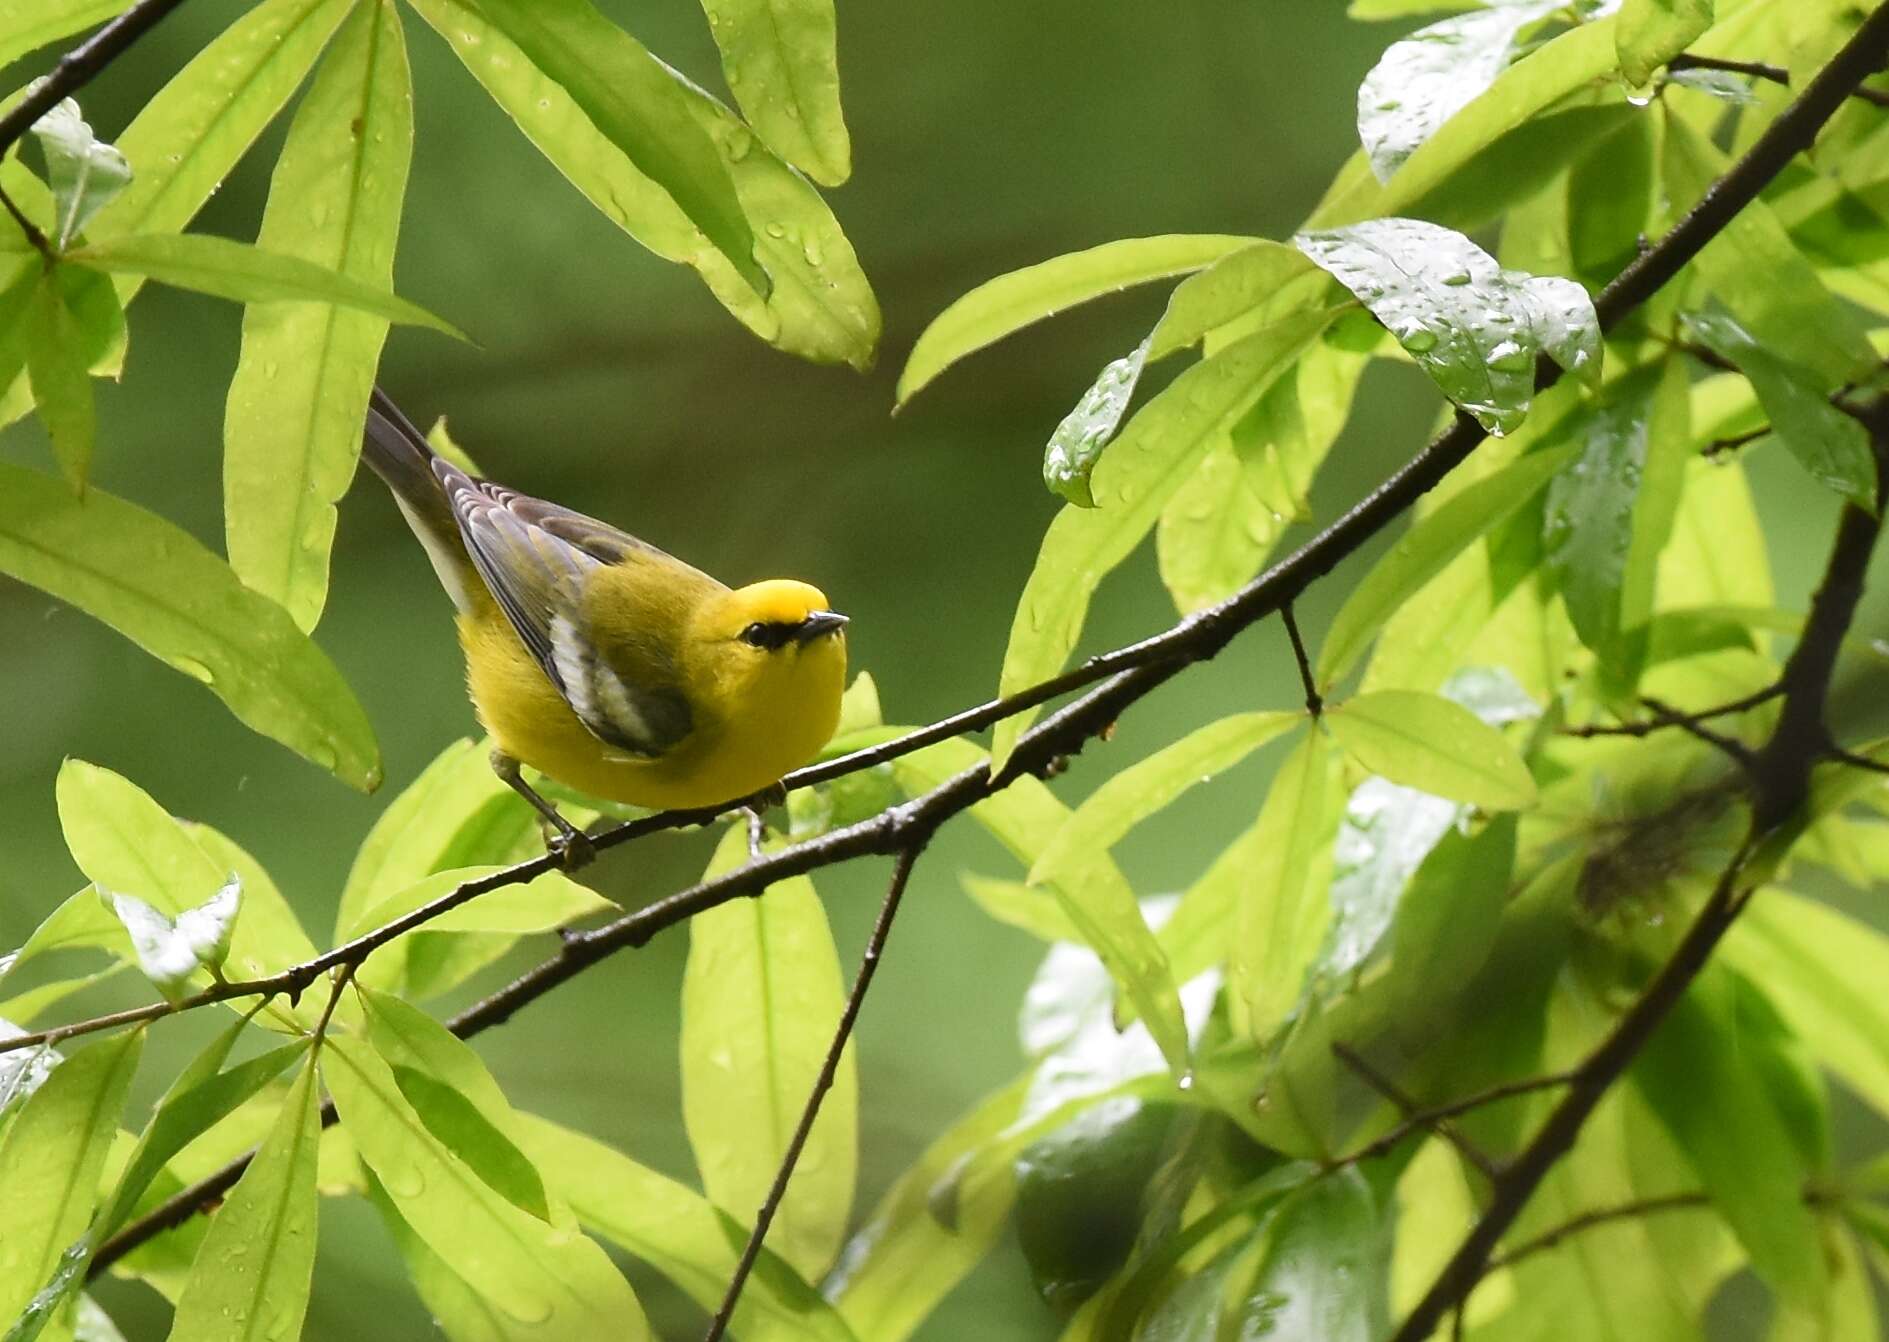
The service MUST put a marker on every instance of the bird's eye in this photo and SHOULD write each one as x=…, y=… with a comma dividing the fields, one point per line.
x=759, y=635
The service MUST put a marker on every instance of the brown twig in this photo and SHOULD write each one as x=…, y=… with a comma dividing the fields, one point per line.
x=868, y=965
x=78, y=66
x=1771, y=74
x=1668, y=717
x=1425, y=1120
x=1624, y=1211
x=1314, y=704
x=1413, y=1112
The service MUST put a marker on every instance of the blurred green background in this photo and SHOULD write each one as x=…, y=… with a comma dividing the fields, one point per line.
x=988, y=135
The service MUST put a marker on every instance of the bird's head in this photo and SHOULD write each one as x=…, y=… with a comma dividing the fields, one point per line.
x=775, y=642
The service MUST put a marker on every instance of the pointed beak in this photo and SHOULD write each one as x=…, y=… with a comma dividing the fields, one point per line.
x=818, y=623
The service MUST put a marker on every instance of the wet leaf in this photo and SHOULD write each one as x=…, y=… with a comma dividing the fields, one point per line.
x=85, y=173
x=170, y=951
x=1475, y=328
x=780, y=61
x=1423, y=80
x=1078, y=441
x=1652, y=32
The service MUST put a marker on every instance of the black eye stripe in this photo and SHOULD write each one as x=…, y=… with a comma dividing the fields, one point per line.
x=768, y=634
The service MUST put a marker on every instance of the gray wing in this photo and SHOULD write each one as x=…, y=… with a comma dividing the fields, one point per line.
x=535, y=557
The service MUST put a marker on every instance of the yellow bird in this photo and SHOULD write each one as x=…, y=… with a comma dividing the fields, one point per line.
x=605, y=663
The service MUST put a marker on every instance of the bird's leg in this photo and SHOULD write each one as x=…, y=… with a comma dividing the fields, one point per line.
x=564, y=841
x=757, y=807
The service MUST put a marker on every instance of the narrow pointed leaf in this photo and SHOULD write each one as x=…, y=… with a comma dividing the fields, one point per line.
x=1236, y=284
x=124, y=841
x=50, y=1160
x=780, y=61
x=186, y=140
x=629, y=96
x=1829, y=444
x=1011, y=302
x=253, y=1273
x=534, y=1272
x=227, y=269
x=1326, y=1272
x=292, y=430
x=761, y=995
x=161, y=588
x=1282, y=910
x=62, y=389
x=1425, y=741
x=1152, y=459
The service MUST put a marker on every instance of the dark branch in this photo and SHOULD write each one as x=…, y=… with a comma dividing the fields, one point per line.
x=1624, y=1211
x=868, y=965
x=1413, y=1112
x=1313, y=703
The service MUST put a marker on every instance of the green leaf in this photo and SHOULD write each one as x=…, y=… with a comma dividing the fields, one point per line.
x=536, y=1273
x=227, y=269
x=1752, y=266
x=163, y=590
x=1154, y=456
x=26, y=25
x=1326, y=1270
x=1138, y=791
x=630, y=97
x=1821, y=968
x=202, y=1096
x=761, y=995
x=456, y=1097
x=1011, y=302
x=1425, y=550
x=1218, y=528
x=186, y=140
x=1031, y=908
x=85, y=173
x=1077, y=443
x=780, y=61
x=1829, y=444
x=1702, y=1065
x=458, y=1310
x=1652, y=32
x=171, y=951
x=1475, y=328
x=55, y=368
x=50, y=1161
x=678, y=1232
x=904, y=1260
x=292, y=429
x=1561, y=66
x=1281, y=911
x=1610, y=194
x=821, y=306
x=1610, y=514
x=1252, y=277
x=253, y=1273
x=1428, y=77
x=1425, y=741
x=124, y=840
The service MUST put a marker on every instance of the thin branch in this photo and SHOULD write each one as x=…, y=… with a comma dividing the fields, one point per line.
x=1773, y=74
x=1730, y=746
x=1669, y=717
x=78, y=66
x=1600, y=1216
x=1313, y=703
x=1718, y=447
x=1425, y=1120
x=32, y=230
x=1856, y=761
x=868, y=965
x=1411, y=1111
x=1129, y=673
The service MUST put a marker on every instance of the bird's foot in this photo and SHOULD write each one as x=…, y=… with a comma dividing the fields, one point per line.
x=568, y=846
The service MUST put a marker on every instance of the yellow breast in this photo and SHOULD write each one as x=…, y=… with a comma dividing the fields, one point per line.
x=748, y=730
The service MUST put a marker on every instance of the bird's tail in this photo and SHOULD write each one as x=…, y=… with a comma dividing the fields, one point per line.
x=397, y=452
